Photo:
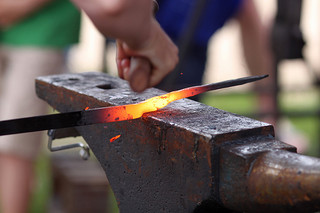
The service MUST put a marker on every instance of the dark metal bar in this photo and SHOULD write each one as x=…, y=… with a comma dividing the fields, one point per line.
x=39, y=123
x=229, y=83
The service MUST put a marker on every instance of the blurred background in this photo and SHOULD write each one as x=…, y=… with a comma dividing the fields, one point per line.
x=298, y=95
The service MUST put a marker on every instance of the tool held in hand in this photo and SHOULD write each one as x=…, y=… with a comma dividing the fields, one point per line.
x=113, y=113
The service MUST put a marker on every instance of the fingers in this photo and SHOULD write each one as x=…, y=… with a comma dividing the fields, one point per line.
x=139, y=74
x=124, y=65
x=122, y=60
x=136, y=70
x=149, y=64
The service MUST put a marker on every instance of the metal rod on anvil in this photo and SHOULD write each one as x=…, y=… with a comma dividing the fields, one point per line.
x=111, y=114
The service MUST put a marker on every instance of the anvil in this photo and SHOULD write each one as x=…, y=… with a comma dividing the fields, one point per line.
x=187, y=157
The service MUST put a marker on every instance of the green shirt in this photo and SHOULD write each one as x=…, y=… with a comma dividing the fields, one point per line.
x=55, y=25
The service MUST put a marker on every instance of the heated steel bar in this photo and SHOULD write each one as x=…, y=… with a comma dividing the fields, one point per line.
x=111, y=114
x=186, y=157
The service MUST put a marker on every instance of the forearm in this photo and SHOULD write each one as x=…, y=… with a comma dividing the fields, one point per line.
x=14, y=11
x=127, y=20
x=258, y=54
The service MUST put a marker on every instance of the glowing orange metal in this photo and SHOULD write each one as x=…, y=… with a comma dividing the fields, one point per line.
x=133, y=111
x=114, y=138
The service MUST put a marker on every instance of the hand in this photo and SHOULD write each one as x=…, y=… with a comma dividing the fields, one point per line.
x=146, y=66
x=137, y=72
x=138, y=34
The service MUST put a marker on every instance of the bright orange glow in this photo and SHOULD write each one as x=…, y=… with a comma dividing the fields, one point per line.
x=86, y=108
x=114, y=138
x=133, y=111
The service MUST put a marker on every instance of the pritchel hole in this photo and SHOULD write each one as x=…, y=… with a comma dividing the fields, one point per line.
x=73, y=79
x=105, y=86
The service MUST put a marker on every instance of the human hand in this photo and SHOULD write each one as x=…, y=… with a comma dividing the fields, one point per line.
x=146, y=66
x=137, y=72
x=138, y=35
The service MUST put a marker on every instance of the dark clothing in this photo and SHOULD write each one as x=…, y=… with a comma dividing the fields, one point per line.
x=174, y=17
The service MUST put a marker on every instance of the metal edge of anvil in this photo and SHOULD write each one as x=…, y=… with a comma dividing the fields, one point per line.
x=68, y=92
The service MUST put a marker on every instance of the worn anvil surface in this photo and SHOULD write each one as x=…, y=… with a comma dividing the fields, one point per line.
x=173, y=159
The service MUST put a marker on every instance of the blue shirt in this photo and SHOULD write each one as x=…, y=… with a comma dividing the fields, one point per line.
x=174, y=15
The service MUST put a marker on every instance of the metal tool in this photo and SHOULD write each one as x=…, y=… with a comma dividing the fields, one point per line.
x=109, y=114
x=63, y=133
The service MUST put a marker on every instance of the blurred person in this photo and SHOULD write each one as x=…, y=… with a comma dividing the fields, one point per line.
x=33, y=37
x=190, y=25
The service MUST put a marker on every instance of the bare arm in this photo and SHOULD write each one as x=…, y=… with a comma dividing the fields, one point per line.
x=258, y=54
x=137, y=33
x=12, y=11
x=123, y=19
x=255, y=40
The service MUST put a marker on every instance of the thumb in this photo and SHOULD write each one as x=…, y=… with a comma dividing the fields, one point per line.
x=139, y=74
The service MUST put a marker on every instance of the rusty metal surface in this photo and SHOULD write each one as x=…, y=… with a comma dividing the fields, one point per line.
x=173, y=159
x=267, y=178
x=285, y=178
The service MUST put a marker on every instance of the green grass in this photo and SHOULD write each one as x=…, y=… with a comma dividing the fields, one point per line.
x=240, y=103
x=310, y=127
